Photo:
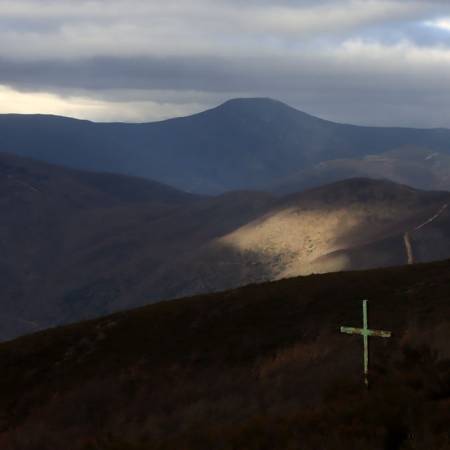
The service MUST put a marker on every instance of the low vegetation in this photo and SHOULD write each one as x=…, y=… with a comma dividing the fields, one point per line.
x=261, y=367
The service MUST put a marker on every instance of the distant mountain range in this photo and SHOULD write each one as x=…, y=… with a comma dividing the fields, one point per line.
x=261, y=367
x=75, y=245
x=243, y=144
x=419, y=167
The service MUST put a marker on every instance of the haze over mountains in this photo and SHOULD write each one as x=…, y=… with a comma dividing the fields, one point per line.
x=242, y=144
x=79, y=244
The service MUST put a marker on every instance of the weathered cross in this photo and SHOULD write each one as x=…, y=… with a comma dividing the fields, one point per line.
x=365, y=332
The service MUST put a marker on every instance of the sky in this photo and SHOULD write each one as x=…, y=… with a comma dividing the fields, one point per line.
x=372, y=62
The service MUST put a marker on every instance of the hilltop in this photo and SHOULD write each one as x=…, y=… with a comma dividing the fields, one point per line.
x=260, y=367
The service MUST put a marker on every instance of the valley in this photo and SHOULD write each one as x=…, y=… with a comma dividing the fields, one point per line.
x=77, y=245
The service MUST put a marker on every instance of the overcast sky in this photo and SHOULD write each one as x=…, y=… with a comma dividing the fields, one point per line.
x=367, y=62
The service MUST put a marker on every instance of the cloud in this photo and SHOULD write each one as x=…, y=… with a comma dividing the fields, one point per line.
x=89, y=54
x=132, y=108
x=17, y=102
x=135, y=27
x=443, y=24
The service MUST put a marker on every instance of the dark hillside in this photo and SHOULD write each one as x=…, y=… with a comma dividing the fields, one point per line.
x=38, y=204
x=261, y=367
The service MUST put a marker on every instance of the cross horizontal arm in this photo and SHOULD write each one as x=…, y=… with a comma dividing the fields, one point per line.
x=362, y=331
x=379, y=333
x=352, y=330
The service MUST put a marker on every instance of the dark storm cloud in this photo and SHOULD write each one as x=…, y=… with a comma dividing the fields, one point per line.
x=367, y=61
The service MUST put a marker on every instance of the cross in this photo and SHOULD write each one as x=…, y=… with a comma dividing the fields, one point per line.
x=365, y=333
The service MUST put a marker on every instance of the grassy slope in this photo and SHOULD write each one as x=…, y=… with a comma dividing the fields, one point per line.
x=261, y=367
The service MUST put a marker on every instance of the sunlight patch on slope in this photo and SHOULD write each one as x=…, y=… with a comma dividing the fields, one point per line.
x=293, y=239
x=316, y=236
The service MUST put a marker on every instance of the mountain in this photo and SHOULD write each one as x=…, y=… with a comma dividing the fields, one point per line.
x=240, y=238
x=261, y=367
x=38, y=205
x=423, y=168
x=76, y=245
x=242, y=144
x=353, y=224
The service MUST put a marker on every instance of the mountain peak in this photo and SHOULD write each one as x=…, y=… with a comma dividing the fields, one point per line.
x=262, y=108
x=253, y=101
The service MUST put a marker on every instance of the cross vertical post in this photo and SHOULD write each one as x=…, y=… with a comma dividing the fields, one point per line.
x=365, y=332
x=366, y=344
